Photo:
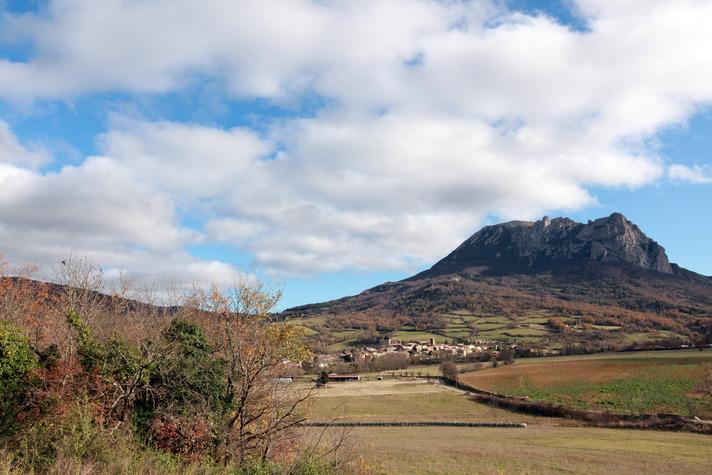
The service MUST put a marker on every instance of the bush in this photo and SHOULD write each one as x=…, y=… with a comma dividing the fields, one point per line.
x=73, y=436
x=17, y=359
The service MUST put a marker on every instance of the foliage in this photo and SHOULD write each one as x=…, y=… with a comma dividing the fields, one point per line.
x=123, y=386
x=16, y=361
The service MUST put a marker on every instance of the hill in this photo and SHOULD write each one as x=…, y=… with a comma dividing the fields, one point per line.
x=552, y=282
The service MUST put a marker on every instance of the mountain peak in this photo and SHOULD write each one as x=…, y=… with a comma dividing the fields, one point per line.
x=518, y=245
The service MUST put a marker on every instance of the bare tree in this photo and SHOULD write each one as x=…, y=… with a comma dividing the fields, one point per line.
x=449, y=370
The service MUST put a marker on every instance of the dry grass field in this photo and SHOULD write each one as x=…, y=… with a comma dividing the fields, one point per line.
x=535, y=450
x=380, y=388
x=408, y=401
x=628, y=382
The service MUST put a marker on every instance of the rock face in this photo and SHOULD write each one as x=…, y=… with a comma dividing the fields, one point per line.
x=518, y=245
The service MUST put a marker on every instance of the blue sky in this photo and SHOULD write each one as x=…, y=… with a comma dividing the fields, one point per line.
x=327, y=147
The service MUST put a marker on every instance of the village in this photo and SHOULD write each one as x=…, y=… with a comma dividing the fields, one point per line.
x=397, y=354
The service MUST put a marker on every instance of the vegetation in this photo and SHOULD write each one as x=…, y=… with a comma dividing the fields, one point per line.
x=449, y=370
x=123, y=385
x=535, y=332
x=16, y=361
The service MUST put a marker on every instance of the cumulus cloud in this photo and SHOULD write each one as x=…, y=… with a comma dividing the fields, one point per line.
x=696, y=174
x=100, y=210
x=188, y=160
x=436, y=115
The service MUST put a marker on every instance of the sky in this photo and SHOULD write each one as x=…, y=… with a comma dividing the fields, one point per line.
x=327, y=146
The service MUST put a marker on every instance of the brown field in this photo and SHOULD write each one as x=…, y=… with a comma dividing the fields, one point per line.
x=665, y=354
x=553, y=373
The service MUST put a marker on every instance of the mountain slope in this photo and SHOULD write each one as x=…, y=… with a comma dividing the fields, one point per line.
x=607, y=269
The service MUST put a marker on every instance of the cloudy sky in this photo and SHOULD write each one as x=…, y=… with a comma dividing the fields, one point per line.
x=328, y=146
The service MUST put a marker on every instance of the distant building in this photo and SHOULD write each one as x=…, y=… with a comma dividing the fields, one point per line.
x=344, y=377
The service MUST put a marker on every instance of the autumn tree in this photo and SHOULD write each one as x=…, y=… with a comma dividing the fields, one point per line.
x=264, y=412
x=449, y=370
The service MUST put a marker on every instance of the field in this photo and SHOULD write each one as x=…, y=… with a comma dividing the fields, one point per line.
x=462, y=325
x=535, y=450
x=407, y=400
x=547, y=445
x=627, y=382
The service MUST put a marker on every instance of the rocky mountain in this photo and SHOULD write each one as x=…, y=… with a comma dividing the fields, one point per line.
x=607, y=270
x=524, y=245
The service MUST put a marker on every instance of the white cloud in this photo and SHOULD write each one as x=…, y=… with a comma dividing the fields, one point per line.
x=15, y=153
x=233, y=231
x=188, y=160
x=696, y=174
x=392, y=192
x=437, y=115
x=100, y=210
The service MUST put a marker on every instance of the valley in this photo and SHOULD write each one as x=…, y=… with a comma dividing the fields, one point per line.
x=547, y=445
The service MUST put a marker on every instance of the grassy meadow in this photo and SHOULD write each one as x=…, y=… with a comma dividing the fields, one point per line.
x=651, y=382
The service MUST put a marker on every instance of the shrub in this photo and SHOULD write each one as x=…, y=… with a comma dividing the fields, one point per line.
x=17, y=359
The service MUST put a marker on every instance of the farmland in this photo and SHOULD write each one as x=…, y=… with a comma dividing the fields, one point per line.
x=547, y=445
x=633, y=383
x=460, y=325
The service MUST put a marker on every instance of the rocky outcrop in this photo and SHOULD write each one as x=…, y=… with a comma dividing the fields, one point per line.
x=521, y=244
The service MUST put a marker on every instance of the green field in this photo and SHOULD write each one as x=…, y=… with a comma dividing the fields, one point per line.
x=627, y=382
x=417, y=336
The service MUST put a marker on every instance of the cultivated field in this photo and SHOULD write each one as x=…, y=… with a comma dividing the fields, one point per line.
x=547, y=445
x=651, y=382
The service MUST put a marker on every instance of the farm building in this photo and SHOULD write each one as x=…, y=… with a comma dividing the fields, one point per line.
x=344, y=377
